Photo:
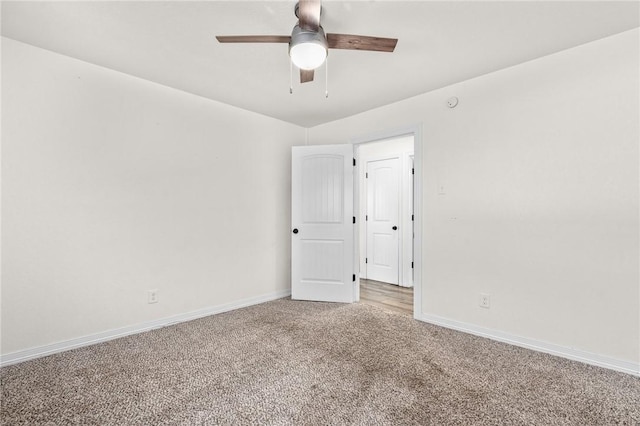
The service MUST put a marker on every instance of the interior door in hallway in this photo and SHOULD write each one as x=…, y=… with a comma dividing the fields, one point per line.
x=322, y=243
x=383, y=211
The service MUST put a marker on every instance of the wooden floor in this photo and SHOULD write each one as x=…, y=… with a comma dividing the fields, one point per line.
x=387, y=296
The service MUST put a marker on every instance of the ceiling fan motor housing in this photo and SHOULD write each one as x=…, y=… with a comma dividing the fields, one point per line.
x=308, y=49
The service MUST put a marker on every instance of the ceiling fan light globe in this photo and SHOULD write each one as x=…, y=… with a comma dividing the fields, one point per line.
x=308, y=56
x=308, y=49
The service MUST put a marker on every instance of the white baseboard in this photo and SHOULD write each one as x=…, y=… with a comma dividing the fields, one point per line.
x=27, y=354
x=536, y=345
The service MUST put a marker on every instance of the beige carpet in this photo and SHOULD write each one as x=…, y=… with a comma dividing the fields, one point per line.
x=288, y=362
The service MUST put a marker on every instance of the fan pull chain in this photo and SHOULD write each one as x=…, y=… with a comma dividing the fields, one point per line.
x=290, y=76
x=326, y=77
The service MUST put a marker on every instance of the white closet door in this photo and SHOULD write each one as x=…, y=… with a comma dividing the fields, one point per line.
x=383, y=210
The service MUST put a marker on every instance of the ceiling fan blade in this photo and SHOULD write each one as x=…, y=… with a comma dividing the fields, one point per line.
x=306, y=76
x=254, y=39
x=357, y=42
x=308, y=13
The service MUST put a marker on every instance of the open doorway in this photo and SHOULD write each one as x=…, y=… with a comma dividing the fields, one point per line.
x=385, y=199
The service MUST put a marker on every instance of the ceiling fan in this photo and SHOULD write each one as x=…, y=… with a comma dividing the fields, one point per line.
x=308, y=43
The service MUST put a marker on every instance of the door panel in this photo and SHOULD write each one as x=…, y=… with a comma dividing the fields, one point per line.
x=381, y=255
x=322, y=188
x=383, y=210
x=322, y=249
x=322, y=261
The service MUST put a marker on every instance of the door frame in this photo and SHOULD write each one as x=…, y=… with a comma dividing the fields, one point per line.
x=416, y=132
x=405, y=200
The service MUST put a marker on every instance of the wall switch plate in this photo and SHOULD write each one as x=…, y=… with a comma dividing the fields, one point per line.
x=485, y=301
x=152, y=296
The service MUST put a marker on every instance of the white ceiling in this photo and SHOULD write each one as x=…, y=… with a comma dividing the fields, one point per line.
x=440, y=43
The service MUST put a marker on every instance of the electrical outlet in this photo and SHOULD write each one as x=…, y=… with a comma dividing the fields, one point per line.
x=485, y=301
x=152, y=296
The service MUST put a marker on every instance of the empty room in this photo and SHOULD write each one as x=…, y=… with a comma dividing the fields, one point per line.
x=320, y=213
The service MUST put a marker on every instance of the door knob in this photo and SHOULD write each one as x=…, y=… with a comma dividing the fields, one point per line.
x=295, y=230
x=394, y=227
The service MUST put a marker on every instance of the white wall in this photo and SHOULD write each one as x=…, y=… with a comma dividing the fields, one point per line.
x=539, y=164
x=112, y=185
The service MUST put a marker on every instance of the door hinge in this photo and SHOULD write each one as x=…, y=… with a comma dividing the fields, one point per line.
x=354, y=219
x=412, y=218
x=411, y=265
x=366, y=175
x=366, y=217
x=354, y=277
x=366, y=260
x=354, y=161
x=413, y=171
